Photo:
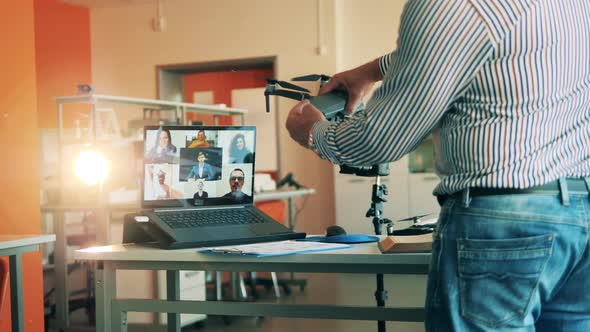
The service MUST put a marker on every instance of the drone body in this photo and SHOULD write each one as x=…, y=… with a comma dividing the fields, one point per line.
x=330, y=104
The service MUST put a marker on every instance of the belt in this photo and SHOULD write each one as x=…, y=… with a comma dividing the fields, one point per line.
x=573, y=185
x=562, y=186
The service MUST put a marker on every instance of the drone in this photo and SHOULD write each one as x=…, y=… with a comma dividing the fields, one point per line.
x=331, y=105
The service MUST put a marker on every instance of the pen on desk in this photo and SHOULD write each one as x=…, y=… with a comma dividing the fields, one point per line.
x=226, y=251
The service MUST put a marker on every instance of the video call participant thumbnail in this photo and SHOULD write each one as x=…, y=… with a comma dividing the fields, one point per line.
x=163, y=151
x=236, y=183
x=238, y=152
x=201, y=195
x=202, y=170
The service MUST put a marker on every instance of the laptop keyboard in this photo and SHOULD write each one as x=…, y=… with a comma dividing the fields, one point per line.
x=202, y=218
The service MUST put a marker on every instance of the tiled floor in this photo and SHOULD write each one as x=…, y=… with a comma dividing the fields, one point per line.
x=321, y=289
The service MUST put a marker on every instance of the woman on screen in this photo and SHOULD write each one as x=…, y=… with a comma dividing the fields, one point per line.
x=238, y=152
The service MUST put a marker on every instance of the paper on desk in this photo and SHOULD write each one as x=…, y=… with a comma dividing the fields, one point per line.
x=424, y=222
x=274, y=248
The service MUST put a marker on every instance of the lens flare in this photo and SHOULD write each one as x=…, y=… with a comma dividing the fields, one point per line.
x=92, y=167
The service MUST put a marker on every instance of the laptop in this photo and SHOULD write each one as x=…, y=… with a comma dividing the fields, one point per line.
x=198, y=190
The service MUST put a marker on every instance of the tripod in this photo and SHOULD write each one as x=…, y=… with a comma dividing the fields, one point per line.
x=376, y=212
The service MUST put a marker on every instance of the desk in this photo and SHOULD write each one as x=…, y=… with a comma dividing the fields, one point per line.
x=62, y=311
x=14, y=246
x=363, y=258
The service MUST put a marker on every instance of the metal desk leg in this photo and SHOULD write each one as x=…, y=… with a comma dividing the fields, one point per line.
x=173, y=294
x=292, y=281
x=106, y=291
x=235, y=286
x=62, y=310
x=218, y=285
x=275, y=284
x=118, y=321
x=16, y=289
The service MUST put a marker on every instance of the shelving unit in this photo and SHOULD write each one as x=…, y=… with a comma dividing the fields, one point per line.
x=92, y=136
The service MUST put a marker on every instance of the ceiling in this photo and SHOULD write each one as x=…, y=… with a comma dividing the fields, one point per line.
x=107, y=3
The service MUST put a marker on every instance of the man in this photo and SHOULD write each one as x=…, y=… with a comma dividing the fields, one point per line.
x=202, y=170
x=504, y=88
x=236, y=182
x=200, y=196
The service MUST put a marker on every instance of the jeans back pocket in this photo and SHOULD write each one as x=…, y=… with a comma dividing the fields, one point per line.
x=498, y=278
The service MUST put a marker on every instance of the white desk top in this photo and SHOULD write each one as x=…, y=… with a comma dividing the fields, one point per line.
x=12, y=241
x=359, y=254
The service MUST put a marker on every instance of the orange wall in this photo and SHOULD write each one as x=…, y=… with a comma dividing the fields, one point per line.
x=62, y=43
x=221, y=83
x=19, y=206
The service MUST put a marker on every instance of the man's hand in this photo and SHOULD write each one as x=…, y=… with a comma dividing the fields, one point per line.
x=357, y=82
x=301, y=119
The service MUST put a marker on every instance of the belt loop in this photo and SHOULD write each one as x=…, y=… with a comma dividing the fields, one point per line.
x=587, y=181
x=565, y=197
x=465, y=197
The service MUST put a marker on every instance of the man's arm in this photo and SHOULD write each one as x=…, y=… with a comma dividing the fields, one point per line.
x=442, y=45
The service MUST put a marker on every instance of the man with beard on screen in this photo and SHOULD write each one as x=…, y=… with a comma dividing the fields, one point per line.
x=236, y=182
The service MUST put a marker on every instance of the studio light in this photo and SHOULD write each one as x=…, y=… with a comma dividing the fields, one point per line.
x=91, y=167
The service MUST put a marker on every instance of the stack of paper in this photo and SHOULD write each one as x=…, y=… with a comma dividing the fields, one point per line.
x=274, y=248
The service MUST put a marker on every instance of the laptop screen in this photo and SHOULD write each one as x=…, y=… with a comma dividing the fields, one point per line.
x=188, y=166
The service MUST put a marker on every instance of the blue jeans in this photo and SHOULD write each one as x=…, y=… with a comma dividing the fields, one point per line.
x=510, y=263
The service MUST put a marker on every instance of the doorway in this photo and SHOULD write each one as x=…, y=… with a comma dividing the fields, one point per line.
x=233, y=83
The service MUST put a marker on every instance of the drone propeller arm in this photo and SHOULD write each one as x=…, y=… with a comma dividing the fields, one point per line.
x=284, y=93
x=289, y=94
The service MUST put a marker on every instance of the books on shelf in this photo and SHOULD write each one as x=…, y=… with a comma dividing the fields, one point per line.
x=409, y=243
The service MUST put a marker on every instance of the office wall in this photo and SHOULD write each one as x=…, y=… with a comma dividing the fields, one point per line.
x=19, y=206
x=365, y=30
x=62, y=46
x=125, y=52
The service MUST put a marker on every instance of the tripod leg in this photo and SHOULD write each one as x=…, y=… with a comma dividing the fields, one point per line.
x=380, y=297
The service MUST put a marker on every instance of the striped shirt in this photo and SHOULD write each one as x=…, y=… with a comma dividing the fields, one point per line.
x=502, y=85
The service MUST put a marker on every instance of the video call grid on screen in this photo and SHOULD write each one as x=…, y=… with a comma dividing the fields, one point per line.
x=192, y=165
